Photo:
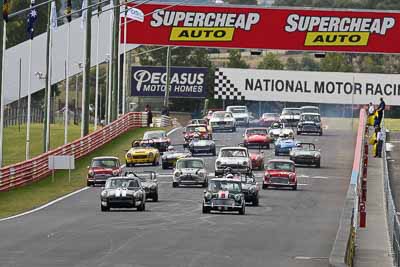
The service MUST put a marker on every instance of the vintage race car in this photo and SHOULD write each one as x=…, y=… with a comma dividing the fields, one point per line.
x=148, y=180
x=283, y=145
x=201, y=122
x=257, y=137
x=169, y=158
x=250, y=187
x=200, y=130
x=161, y=141
x=236, y=158
x=279, y=130
x=240, y=113
x=309, y=109
x=257, y=160
x=224, y=194
x=102, y=168
x=306, y=154
x=309, y=123
x=123, y=192
x=290, y=116
x=190, y=171
x=142, y=151
x=223, y=121
x=267, y=119
x=280, y=173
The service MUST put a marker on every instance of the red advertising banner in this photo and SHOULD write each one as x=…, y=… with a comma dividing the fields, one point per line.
x=267, y=28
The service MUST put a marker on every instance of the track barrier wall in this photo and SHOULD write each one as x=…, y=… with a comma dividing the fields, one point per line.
x=34, y=169
x=353, y=214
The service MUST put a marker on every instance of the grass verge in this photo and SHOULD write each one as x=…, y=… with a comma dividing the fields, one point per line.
x=15, y=138
x=36, y=194
x=392, y=124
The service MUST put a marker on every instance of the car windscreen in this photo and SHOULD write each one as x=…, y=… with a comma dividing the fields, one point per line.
x=192, y=129
x=233, y=153
x=309, y=117
x=232, y=187
x=221, y=115
x=270, y=115
x=305, y=147
x=195, y=164
x=256, y=131
x=105, y=163
x=121, y=183
x=154, y=135
x=291, y=112
x=282, y=166
x=310, y=110
x=238, y=110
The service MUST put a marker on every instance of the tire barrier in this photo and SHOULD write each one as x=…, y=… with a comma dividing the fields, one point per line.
x=34, y=169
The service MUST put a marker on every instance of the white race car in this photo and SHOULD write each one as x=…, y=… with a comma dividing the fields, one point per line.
x=222, y=120
x=240, y=113
x=190, y=171
x=235, y=158
x=290, y=116
x=279, y=130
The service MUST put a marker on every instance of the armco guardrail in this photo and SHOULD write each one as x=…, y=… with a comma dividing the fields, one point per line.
x=34, y=169
x=391, y=214
x=343, y=248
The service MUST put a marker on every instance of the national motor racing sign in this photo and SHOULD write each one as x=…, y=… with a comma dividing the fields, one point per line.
x=303, y=86
x=267, y=28
x=185, y=81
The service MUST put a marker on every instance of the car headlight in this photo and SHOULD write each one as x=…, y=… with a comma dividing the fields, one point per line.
x=104, y=193
x=91, y=173
x=245, y=163
x=177, y=174
x=115, y=172
x=153, y=186
x=207, y=195
x=238, y=197
x=138, y=194
x=128, y=155
x=218, y=163
x=150, y=155
x=252, y=189
x=201, y=174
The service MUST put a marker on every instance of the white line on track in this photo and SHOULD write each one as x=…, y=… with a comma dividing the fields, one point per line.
x=45, y=205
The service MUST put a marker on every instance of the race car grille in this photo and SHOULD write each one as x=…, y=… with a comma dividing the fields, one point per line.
x=234, y=166
x=240, y=120
x=139, y=156
x=102, y=176
x=279, y=180
x=120, y=199
x=309, y=127
x=304, y=157
x=223, y=202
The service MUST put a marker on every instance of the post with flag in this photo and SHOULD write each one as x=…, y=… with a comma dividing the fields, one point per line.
x=68, y=11
x=31, y=20
x=86, y=25
x=3, y=28
x=53, y=27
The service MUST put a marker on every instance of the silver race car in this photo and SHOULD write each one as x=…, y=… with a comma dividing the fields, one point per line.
x=306, y=154
x=201, y=146
x=236, y=158
x=148, y=180
x=123, y=192
x=190, y=171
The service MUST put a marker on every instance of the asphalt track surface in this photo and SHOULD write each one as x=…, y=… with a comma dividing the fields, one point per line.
x=289, y=228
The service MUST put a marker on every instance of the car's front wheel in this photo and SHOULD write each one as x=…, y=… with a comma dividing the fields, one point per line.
x=89, y=183
x=205, y=184
x=242, y=211
x=214, y=152
x=205, y=209
x=175, y=184
x=165, y=165
x=104, y=208
x=255, y=201
x=318, y=165
x=233, y=129
x=141, y=207
x=294, y=187
x=264, y=186
x=155, y=197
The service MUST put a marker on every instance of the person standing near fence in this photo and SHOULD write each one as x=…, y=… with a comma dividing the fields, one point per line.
x=381, y=108
x=149, y=115
x=379, y=141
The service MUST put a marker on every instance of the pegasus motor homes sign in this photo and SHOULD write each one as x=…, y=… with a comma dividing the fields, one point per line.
x=302, y=86
x=185, y=81
x=267, y=28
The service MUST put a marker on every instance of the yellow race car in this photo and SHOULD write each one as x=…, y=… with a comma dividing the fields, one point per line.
x=142, y=152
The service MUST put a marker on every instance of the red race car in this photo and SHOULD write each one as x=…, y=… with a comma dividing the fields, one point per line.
x=257, y=137
x=257, y=160
x=267, y=119
x=280, y=173
x=101, y=169
x=192, y=129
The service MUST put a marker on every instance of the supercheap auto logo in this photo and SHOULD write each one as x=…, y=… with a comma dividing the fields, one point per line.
x=338, y=31
x=198, y=26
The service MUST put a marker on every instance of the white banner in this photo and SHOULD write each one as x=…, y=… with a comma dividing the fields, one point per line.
x=303, y=86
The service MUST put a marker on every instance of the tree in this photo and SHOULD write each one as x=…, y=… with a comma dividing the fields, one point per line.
x=309, y=64
x=235, y=60
x=370, y=65
x=292, y=64
x=242, y=2
x=270, y=61
x=337, y=63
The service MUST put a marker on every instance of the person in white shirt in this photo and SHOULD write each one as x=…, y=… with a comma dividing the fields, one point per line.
x=371, y=109
x=379, y=140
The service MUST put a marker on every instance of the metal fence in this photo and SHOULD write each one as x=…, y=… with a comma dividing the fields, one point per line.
x=392, y=218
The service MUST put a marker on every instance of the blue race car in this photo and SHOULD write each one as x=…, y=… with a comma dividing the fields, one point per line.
x=283, y=146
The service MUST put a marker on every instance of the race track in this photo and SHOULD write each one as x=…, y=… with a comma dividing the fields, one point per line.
x=289, y=228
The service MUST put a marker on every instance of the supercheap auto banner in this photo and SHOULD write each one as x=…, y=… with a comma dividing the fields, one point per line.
x=266, y=28
x=185, y=81
x=303, y=86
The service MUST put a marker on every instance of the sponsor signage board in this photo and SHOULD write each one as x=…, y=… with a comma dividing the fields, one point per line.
x=185, y=81
x=267, y=28
x=302, y=86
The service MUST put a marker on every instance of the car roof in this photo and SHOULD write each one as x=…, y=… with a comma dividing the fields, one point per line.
x=105, y=157
x=236, y=107
x=233, y=147
x=196, y=125
x=124, y=177
x=281, y=160
x=187, y=159
x=291, y=108
x=226, y=179
x=310, y=113
x=257, y=128
x=309, y=107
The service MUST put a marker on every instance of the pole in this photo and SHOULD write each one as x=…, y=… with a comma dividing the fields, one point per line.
x=47, y=145
x=28, y=119
x=46, y=96
x=118, y=68
x=19, y=94
x=67, y=86
x=168, y=69
x=107, y=95
x=76, y=99
x=97, y=74
x=114, y=60
x=110, y=68
x=3, y=27
x=124, y=67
